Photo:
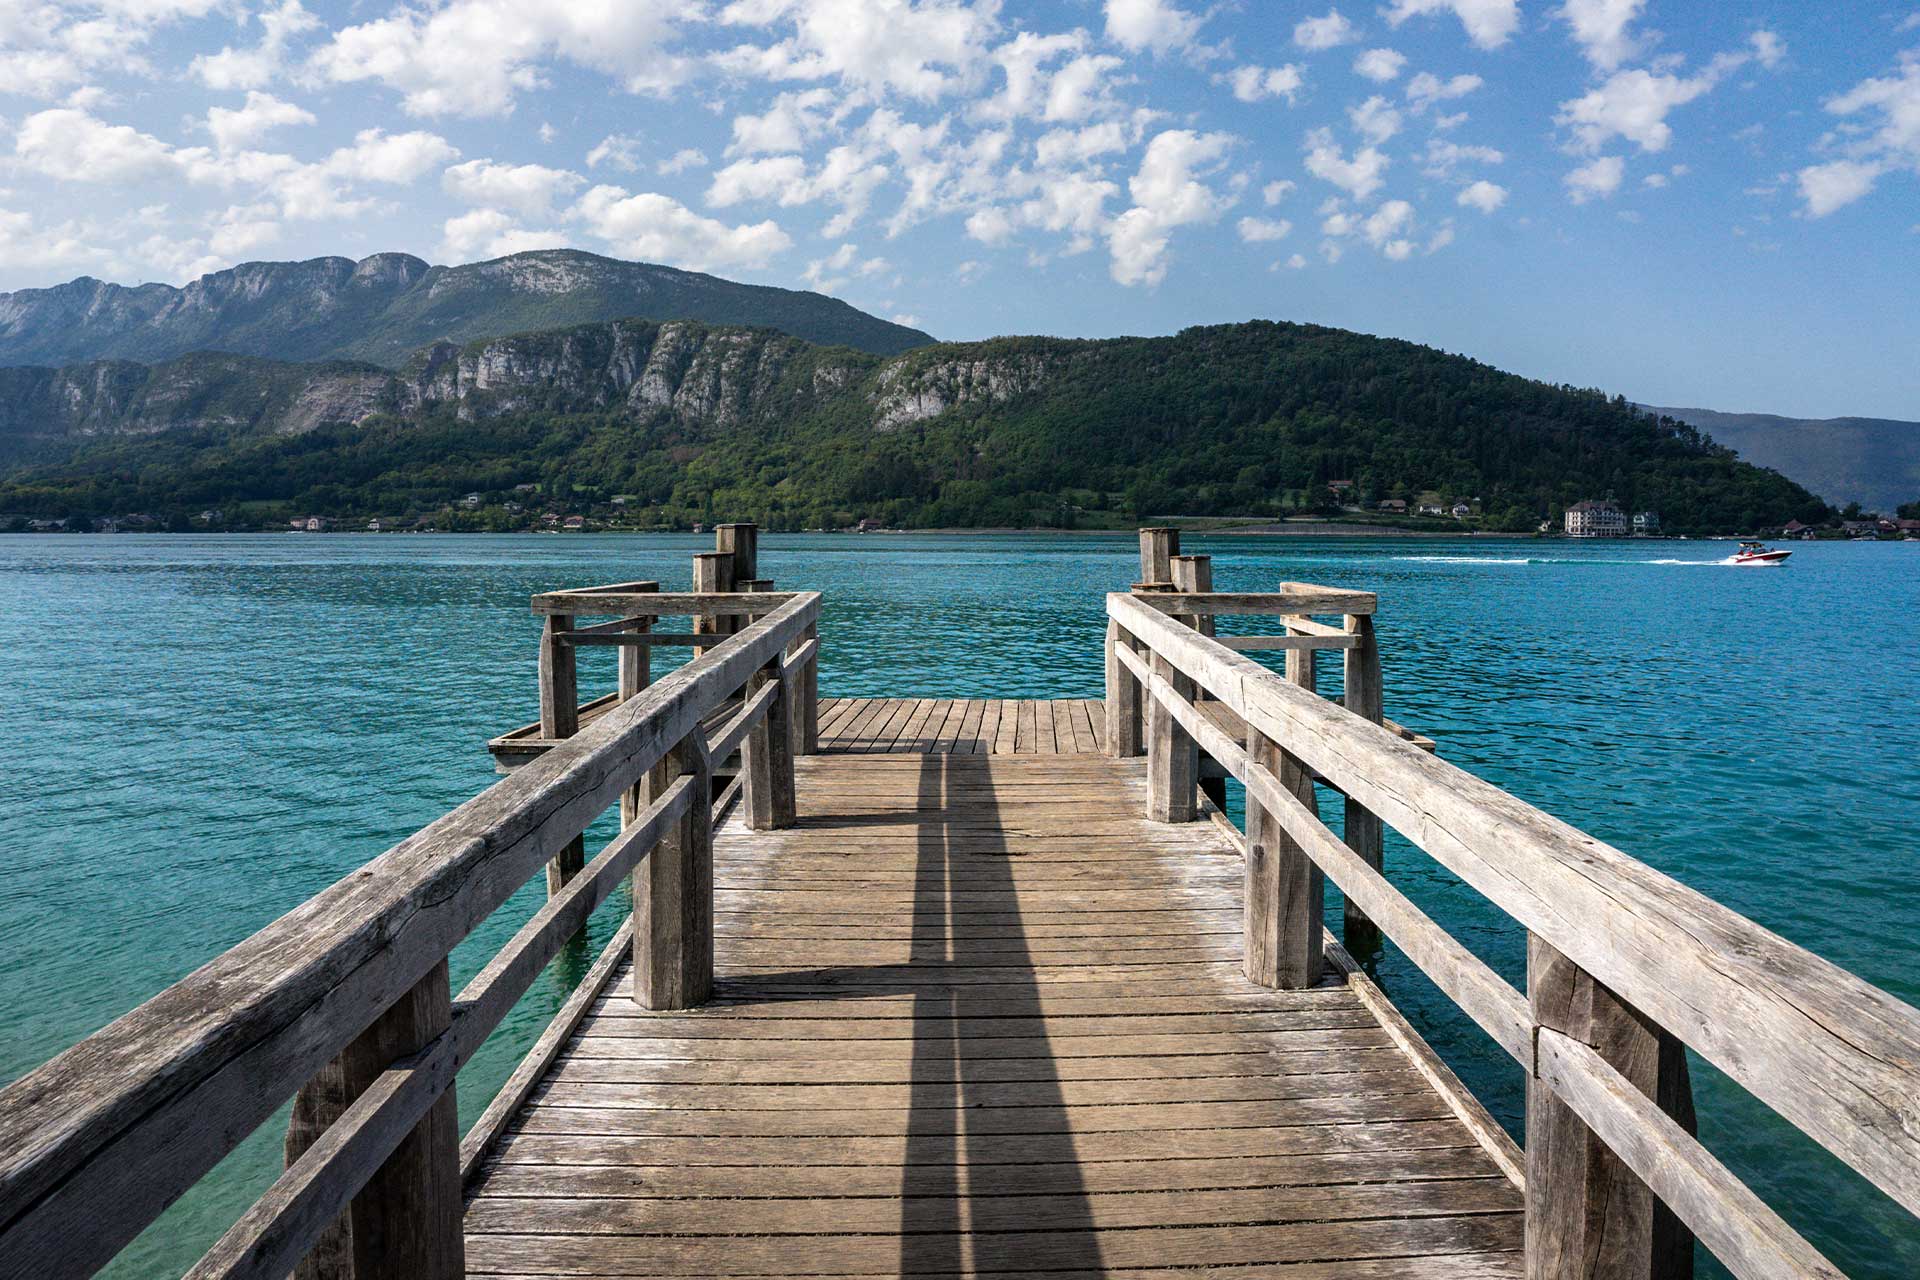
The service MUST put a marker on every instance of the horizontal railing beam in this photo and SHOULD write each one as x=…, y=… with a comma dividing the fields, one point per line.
x=631, y=639
x=1834, y=1055
x=664, y=604
x=1736, y=1225
x=727, y=739
x=98, y=1141
x=1264, y=644
x=1213, y=603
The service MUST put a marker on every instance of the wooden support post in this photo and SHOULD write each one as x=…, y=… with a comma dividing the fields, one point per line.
x=560, y=718
x=742, y=542
x=636, y=673
x=1173, y=759
x=405, y=1224
x=1157, y=549
x=1588, y=1216
x=766, y=758
x=559, y=686
x=1284, y=887
x=807, y=719
x=1123, y=700
x=1194, y=573
x=1365, y=833
x=712, y=571
x=673, y=896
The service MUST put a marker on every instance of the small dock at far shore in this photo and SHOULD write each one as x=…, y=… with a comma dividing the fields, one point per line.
x=923, y=986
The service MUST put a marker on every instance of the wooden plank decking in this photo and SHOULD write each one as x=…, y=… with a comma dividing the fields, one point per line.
x=976, y=1015
x=963, y=726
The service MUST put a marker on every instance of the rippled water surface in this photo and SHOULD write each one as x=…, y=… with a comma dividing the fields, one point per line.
x=205, y=731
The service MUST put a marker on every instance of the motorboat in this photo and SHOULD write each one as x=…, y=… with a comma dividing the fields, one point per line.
x=1758, y=553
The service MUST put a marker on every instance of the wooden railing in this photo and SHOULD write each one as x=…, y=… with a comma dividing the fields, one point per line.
x=1625, y=965
x=344, y=1006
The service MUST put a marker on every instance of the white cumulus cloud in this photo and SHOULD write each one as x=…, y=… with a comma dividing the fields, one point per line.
x=1324, y=32
x=1252, y=84
x=1380, y=65
x=475, y=57
x=530, y=190
x=1596, y=180
x=1375, y=120
x=658, y=228
x=1888, y=141
x=236, y=127
x=1359, y=175
x=1489, y=23
x=1150, y=24
x=1263, y=230
x=1168, y=192
x=1600, y=27
x=1482, y=195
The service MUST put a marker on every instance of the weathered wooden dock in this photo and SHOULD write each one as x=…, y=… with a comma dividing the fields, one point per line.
x=936, y=987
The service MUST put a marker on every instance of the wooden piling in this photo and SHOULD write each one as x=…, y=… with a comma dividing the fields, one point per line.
x=741, y=540
x=1157, y=549
x=636, y=673
x=1173, y=758
x=1364, y=833
x=1284, y=888
x=673, y=896
x=1588, y=1217
x=807, y=720
x=766, y=757
x=405, y=1223
x=560, y=718
x=1124, y=727
x=712, y=572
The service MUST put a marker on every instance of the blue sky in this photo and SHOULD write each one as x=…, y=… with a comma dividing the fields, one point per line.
x=1696, y=204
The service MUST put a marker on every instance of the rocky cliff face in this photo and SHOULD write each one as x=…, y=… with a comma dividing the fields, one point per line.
x=708, y=379
x=386, y=307
x=914, y=389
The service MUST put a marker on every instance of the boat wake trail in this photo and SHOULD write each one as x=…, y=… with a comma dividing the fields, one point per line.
x=1580, y=560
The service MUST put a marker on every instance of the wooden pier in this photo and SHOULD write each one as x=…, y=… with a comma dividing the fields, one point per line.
x=937, y=987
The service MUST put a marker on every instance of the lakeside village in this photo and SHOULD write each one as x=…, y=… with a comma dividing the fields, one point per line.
x=526, y=508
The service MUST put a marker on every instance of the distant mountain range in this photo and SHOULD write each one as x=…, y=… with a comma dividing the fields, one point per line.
x=383, y=308
x=686, y=421
x=1872, y=461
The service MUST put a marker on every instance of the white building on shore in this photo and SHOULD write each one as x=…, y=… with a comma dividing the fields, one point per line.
x=1592, y=519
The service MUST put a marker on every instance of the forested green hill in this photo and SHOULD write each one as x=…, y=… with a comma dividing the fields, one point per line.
x=687, y=422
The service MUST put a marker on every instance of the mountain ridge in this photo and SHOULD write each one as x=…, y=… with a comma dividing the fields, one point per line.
x=1872, y=461
x=693, y=422
x=385, y=306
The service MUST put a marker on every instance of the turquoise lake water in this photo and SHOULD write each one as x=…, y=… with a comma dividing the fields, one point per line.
x=208, y=730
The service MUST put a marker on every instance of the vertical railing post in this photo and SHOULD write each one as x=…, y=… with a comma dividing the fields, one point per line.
x=636, y=673
x=806, y=724
x=1284, y=888
x=405, y=1223
x=560, y=718
x=1123, y=699
x=673, y=894
x=1588, y=1217
x=1195, y=574
x=1173, y=758
x=712, y=572
x=766, y=757
x=559, y=685
x=1364, y=833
